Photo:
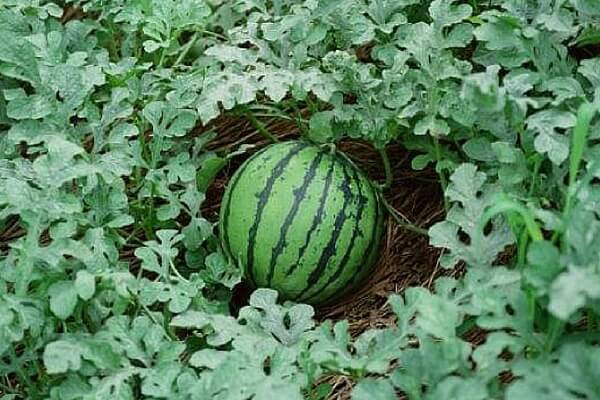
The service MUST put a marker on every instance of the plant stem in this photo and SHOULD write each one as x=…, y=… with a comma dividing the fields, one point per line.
x=554, y=329
x=301, y=122
x=177, y=273
x=15, y=362
x=185, y=50
x=521, y=260
x=149, y=314
x=9, y=390
x=403, y=221
x=443, y=180
x=267, y=115
x=261, y=128
x=134, y=232
x=468, y=324
x=584, y=119
x=536, y=171
x=150, y=219
x=227, y=148
x=163, y=55
x=504, y=204
x=522, y=249
x=389, y=177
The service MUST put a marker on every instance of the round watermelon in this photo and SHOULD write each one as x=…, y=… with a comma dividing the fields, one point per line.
x=302, y=220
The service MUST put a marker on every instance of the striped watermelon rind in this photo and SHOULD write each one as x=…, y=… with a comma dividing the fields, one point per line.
x=303, y=221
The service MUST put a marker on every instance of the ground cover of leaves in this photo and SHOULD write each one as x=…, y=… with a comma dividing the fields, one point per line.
x=121, y=120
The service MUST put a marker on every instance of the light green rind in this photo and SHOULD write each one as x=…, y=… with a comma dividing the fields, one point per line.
x=240, y=210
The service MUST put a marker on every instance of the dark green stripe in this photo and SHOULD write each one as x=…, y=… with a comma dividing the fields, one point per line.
x=263, y=197
x=299, y=195
x=231, y=190
x=373, y=240
x=329, y=250
x=318, y=218
x=362, y=200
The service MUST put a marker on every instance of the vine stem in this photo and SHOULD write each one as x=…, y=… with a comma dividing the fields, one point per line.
x=402, y=220
x=523, y=243
x=536, y=172
x=505, y=204
x=389, y=177
x=15, y=362
x=163, y=56
x=8, y=389
x=177, y=273
x=554, y=329
x=443, y=180
x=261, y=128
x=165, y=332
x=584, y=119
x=186, y=49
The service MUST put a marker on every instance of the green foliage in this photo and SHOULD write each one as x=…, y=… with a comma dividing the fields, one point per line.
x=112, y=282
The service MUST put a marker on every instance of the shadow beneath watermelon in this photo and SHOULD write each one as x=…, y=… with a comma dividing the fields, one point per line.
x=239, y=297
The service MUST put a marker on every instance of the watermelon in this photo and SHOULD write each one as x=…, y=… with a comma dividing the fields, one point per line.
x=302, y=220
